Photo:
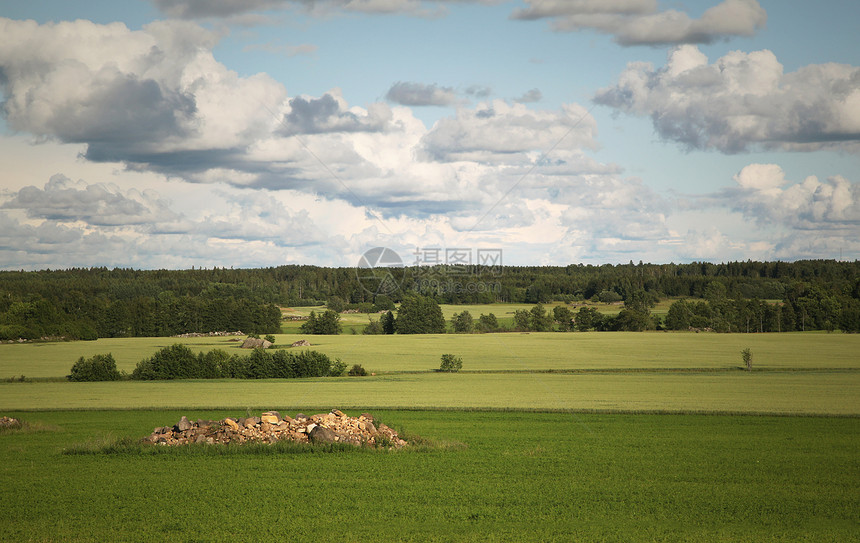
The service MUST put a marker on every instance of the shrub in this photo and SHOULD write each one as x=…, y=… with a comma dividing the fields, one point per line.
x=270, y=338
x=337, y=368
x=451, y=363
x=100, y=367
x=357, y=371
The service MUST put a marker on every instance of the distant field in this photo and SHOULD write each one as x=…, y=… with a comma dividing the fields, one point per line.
x=488, y=352
x=504, y=313
x=517, y=477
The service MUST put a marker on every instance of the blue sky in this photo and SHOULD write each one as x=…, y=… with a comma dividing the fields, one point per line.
x=179, y=133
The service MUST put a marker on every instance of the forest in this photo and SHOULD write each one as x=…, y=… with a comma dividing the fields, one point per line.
x=736, y=296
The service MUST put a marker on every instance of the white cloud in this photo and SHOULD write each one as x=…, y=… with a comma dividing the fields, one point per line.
x=498, y=132
x=96, y=204
x=638, y=22
x=742, y=102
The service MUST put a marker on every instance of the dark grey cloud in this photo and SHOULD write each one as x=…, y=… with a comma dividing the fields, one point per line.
x=741, y=102
x=326, y=115
x=421, y=94
x=639, y=22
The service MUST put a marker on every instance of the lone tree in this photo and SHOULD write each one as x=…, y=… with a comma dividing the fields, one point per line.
x=451, y=363
x=419, y=315
x=746, y=354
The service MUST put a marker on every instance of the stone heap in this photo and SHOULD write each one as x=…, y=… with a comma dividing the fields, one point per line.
x=9, y=422
x=271, y=427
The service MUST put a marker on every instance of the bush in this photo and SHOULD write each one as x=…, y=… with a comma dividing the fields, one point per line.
x=337, y=369
x=451, y=363
x=270, y=338
x=101, y=367
x=357, y=371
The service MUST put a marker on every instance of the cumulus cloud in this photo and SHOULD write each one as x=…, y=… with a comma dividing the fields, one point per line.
x=743, y=101
x=102, y=205
x=150, y=96
x=766, y=196
x=421, y=94
x=329, y=113
x=639, y=22
x=500, y=132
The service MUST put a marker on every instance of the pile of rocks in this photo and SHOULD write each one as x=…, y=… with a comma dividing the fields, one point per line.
x=9, y=422
x=271, y=427
x=211, y=334
x=301, y=343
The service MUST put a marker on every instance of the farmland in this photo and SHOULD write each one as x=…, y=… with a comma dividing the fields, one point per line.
x=555, y=437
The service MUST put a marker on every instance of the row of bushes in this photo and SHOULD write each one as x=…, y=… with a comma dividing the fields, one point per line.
x=179, y=362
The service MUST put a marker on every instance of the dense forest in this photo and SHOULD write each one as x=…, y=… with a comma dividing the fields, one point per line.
x=101, y=302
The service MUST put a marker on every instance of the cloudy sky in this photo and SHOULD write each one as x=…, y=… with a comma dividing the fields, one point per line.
x=247, y=133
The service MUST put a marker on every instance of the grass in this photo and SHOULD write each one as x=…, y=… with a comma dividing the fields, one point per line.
x=520, y=477
x=487, y=352
x=800, y=393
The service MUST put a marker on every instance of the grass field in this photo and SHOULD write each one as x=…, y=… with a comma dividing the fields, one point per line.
x=836, y=393
x=519, y=477
x=564, y=437
x=488, y=352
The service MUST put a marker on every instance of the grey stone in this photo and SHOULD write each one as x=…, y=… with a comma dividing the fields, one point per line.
x=321, y=434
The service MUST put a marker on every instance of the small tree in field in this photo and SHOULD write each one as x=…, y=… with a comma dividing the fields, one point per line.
x=746, y=354
x=451, y=363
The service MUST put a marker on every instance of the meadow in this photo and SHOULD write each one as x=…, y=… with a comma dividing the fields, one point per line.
x=514, y=477
x=487, y=352
x=553, y=437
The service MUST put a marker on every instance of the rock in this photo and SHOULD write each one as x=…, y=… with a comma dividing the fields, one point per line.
x=272, y=417
x=309, y=428
x=337, y=413
x=301, y=343
x=183, y=424
x=366, y=416
x=301, y=416
x=321, y=434
x=231, y=423
x=265, y=427
x=256, y=343
x=369, y=428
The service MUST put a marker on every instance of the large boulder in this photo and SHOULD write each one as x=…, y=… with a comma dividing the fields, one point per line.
x=256, y=343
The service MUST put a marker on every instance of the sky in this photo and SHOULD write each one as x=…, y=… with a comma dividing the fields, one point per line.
x=154, y=134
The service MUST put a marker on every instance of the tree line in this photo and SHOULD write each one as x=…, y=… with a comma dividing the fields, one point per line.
x=99, y=302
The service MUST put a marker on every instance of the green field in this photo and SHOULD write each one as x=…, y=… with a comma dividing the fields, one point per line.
x=561, y=437
x=517, y=477
x=489, y=352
